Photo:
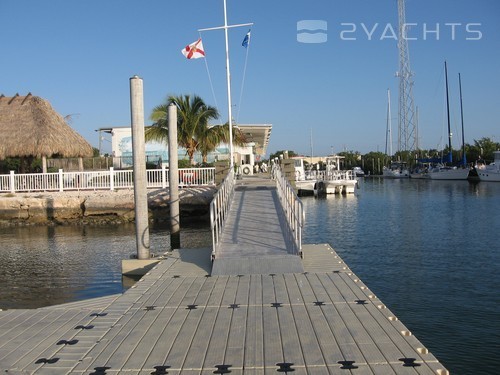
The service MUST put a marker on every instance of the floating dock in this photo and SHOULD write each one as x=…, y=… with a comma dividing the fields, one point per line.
x=179, y=319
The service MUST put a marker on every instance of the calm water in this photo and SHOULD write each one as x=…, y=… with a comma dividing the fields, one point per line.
x=429, y=249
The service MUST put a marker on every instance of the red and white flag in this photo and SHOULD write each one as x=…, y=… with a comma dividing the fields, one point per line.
x=194, y=50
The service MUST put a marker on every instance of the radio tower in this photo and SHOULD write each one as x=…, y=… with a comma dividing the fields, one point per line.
x=407, y=127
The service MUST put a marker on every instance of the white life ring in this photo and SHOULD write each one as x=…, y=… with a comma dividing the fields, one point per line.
x=246, y=170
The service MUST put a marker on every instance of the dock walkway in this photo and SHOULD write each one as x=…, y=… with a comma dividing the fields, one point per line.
x=253, y=239
x=259, y=317
x=178, y=320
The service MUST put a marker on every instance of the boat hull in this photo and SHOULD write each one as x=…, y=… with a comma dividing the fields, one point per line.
x=419, y=176
x=485, y=175
x=449, y=174
x=387, y=173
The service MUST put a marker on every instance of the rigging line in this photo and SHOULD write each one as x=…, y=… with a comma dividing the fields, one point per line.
x=243, y=83
x=210, y=80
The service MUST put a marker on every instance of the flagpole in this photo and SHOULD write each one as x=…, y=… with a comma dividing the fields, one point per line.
x=226, y=27
x=228, y=79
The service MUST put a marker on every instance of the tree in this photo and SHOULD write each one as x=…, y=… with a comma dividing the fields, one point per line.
x=193, y=116
x=373, y=162
x=217, y=134
x=482, y=149
x=351, y=159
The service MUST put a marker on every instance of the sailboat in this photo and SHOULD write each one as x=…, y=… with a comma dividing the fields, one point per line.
x=446, y=171
x=396, y=169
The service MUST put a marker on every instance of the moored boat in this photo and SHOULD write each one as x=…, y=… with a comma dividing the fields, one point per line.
x=490, y=172
x=358, y=172
x=446, y=171
x=443, y=172
x=420, y=172
x=331, y=180
x=397, y=169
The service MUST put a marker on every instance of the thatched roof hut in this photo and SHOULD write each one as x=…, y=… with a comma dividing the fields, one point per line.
x=30, y=127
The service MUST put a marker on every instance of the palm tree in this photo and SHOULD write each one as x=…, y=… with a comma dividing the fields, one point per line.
x=192, y=122
x=215, y=135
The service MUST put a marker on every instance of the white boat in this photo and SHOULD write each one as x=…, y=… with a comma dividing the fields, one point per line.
x=445, y=172
x=305, y=180
x=490, y=172
x=397, y=169
x=420, y=172
x=332, y=180
x=338, y=181
x=358, y=172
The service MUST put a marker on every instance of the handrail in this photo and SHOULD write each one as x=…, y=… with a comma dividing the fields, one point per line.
x=292, y=206
x=100, y=180
x=219, y=209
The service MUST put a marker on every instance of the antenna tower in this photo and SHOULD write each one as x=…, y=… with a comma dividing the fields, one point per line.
x=407, y=127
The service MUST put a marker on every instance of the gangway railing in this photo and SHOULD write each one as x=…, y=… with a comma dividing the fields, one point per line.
x=219, y=209
x=292, y=206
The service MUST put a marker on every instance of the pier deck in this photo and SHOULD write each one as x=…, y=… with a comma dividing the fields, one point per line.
x=254, y=241
x=178, y=320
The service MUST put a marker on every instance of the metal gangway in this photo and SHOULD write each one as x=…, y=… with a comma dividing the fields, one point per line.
x=256, y=225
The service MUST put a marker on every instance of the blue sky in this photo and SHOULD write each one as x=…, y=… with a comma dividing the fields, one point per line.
x=79, y=55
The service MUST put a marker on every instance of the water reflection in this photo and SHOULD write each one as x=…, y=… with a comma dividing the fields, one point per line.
x=42, y=266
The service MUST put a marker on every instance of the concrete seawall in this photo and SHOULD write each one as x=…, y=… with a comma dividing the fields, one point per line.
x=98, y=207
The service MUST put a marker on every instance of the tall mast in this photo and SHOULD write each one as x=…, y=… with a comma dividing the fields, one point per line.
x=388, y=136
x=406, y=116
x=228, y=79
x=450, y=157
x=464, y=157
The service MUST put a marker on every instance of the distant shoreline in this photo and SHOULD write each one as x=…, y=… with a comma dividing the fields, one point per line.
x=98, y=207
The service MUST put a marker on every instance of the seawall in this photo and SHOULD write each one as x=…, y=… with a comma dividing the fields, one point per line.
x=98, y=207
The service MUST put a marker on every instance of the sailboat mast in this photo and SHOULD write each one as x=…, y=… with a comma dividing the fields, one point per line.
x=464, y=157
x=388, y=137
x=450, y=157
x=312, y=151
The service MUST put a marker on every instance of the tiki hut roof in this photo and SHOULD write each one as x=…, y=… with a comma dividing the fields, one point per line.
x=29, y=126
